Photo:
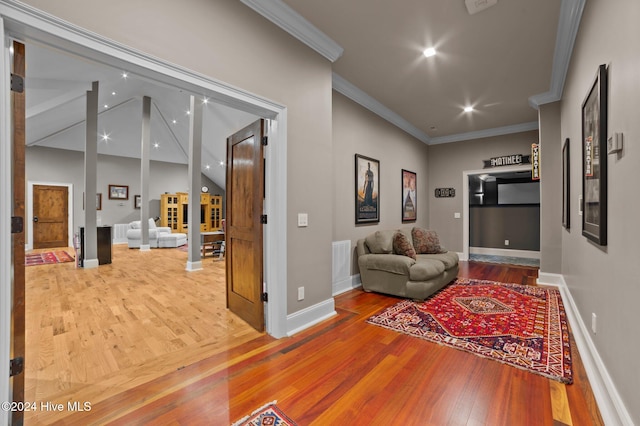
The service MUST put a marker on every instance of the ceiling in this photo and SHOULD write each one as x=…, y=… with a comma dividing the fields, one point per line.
x=57, y=83
x=503, y=61
x=497, y=61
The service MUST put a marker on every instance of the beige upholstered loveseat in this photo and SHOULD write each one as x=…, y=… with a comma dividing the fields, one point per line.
x=406, y=263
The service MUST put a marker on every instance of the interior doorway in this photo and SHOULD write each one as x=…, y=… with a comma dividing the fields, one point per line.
x=32, y=213
x=466, y=200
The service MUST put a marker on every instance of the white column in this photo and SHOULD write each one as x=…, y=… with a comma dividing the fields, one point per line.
x=91, y=179
x=144, y=173
x=195, y=169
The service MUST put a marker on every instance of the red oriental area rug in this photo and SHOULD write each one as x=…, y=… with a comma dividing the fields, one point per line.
x=47, y=258
x=523, y=326
x=268, y=415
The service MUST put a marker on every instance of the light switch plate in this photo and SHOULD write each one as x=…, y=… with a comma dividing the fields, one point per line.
x=303, y=220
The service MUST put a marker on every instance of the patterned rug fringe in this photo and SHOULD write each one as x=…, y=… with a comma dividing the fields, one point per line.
x=256, y=411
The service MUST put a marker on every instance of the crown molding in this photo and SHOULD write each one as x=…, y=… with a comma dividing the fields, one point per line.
x=358, y=96
x=497, y=131
x=292, y=22
x=568, y=25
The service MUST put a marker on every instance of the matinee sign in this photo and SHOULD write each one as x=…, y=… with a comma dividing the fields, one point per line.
x=507, y=160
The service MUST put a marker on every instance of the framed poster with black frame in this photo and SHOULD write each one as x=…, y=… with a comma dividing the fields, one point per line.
x=367, y=180
x=409, y=200
x=594, y=160
x=566, y=185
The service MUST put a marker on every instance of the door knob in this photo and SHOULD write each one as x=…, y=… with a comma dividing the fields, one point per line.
x=35, y=218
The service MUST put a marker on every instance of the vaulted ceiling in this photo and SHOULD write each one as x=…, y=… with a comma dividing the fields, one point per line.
x=502, y=61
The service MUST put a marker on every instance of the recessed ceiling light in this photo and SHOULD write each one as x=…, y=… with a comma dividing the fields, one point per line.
x=113, y=93
x=468, y=109
x=205, y=101
x=125, y=75
x=207, y=167
x=106, y=106
x=428, y=52
x=222, y=163
x=105, y=136
x=188, y=112
x=174, y=121
x=156, y=145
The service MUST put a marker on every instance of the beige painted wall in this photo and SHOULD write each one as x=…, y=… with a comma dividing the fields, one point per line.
x=446, y=164
x=359, y=131
x=604, y=280
x=227, y=41
x=551, y=229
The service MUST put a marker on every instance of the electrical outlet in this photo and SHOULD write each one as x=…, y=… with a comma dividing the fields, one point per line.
x=506, y=242
x=594, y=318
x=300, y=293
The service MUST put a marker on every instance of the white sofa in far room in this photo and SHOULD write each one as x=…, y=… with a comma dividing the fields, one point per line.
x=159, y=236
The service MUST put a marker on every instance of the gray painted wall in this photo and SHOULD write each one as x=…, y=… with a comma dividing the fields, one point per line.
x=490, y=226
x=359, y=131
x=446, y=164
x=551, y=229
x=604, y=280
x=66, y=167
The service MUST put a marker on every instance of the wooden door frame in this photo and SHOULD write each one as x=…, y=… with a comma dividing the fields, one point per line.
x=29, y=219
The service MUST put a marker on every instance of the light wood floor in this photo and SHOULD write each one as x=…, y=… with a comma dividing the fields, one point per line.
x=93, y=333
x=147, y=343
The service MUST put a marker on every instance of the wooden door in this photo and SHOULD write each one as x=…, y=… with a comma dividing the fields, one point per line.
x=17, y=234
x=50, y=216
x=245, y=181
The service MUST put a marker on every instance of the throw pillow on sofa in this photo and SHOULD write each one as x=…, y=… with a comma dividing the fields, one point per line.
x=403, y=246
x=426, y=241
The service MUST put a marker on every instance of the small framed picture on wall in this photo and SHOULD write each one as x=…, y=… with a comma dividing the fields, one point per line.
x=367, y=180
x=409, y=194
x=118, y=192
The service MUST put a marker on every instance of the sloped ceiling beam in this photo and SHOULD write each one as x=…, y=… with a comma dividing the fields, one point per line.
x=78, y=123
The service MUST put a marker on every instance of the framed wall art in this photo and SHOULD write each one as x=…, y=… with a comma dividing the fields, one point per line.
x=566, y=186
x=409, y=200
x=594, y=160
x=367, y=195
x=118, y=192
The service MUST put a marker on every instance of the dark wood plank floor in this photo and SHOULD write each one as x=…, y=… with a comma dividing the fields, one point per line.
x=346, y=372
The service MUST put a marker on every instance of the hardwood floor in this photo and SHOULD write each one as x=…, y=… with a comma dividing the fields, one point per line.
x=194, y=363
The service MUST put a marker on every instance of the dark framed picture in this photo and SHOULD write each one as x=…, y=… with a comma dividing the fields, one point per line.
x=118, y=192
x=367, y=181
x=566, y=185
x=137, y=201
x=594, y=160
x=409, y=200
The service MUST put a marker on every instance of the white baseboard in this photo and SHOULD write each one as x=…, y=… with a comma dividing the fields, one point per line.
x=310, y=316
x=347, y=284
x=461, y=256
x=611, y=406
x=90, y=263
x=550, y=279
x=194, y=266
x=528, y=254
